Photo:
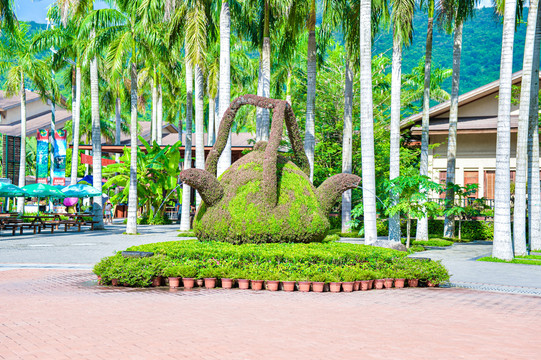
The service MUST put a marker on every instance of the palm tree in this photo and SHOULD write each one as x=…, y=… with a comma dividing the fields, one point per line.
x=186, y=190
x=454, y=12
x=7, y=17
x=224, y=88
x=422, y=223
x=519, y=215
x=367, y=124
x=311, y=63
x=19, y=65
x=534, y=188
x=502, y=247
x=402, y=24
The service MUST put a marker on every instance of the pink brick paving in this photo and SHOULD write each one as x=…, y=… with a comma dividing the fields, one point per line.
x=54, y=314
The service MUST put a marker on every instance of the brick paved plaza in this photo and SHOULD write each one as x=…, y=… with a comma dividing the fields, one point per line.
x=64, y=314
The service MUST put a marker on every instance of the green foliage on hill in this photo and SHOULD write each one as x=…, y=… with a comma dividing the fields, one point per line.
x=481, y=51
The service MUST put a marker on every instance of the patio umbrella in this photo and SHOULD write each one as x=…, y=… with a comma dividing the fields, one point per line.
x=80, y=191
x=43, y=190
x=10, y=190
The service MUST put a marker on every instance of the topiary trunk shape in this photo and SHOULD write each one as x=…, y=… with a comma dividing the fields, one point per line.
x=264, y=197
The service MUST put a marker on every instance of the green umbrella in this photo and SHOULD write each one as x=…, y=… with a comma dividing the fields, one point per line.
x=80, y=191
x=10, y=190
x=43, y=190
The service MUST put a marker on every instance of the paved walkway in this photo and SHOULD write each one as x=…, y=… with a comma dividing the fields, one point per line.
x=60, y=314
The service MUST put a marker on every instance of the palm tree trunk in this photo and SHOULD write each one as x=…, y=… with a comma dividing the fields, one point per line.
x=154, y=108
x=76, y=113
x=224, y=91
x=210, y=136
x=394, y=170
x=262, y=115
x=502, y=247
x=309, y=136
x=449, y=223
x=159, y=116
x=519, y=215
x=199, y=125
x=179, y=114
x=97, y=205
x=347, y=144
x=534, y=188
x=22, y=162
x=118, y=120
x=367, y=126
x=422, y=223
x=186, y=190
x=288, y=88
x=133, y=204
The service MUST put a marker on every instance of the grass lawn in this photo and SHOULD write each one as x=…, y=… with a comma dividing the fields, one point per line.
x=527, y=260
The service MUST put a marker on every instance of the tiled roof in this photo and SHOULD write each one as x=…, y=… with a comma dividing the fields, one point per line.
x=15, y=101
x=41, y=121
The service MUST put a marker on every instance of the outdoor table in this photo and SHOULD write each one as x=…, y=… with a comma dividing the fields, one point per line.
x=79, y=220
x=14, y=224
x=43, y=221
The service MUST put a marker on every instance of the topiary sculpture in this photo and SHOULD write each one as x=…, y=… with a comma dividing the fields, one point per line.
x=264, y=197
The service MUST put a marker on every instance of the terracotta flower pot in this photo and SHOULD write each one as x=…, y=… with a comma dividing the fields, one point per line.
x=348, y=286
x=114, y=282
x=244, y=284
x=210, y=283
x=199, y=282
x=413, y=282
x=272, y=285
x=399, y=283
x=227, y=283
x=357, y=285
x=188, y=283
x=174, y=282
x=371, y=284
x=335, y=286
x=157, y=281
x=431, y=284
x=365, y=285
x=257, y=284
x=304, y=286
x=378, y=284
x=99, y=280
x=288, y=285
x=388, y=283
x=318, y=286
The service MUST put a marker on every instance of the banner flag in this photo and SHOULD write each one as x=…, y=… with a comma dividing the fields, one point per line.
x=59, y=159
x=42, y=156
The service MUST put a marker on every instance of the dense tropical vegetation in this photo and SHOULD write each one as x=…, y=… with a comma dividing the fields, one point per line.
x=182, y=62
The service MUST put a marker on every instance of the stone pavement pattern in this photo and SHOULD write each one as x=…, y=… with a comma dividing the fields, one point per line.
x=63, y=314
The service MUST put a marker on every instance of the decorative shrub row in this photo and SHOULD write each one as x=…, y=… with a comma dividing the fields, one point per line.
x=333, y=262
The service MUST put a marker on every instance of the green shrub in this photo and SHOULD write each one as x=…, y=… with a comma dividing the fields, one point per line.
x=433, y=242
x=137, y=272
x=331, y=238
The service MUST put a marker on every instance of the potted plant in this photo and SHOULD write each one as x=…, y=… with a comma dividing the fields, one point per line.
x=188, y=274
x=257, y=276
x=400, y=278
x=318, y=281
x=348, y=279
x=209, y=276
x=173, y=273
x=388, y=278
x=272, y=282
x=242, y=279
x=334, y=282
x=379, y=281
x=225, y=277
x=304, y=281
x=364, y=280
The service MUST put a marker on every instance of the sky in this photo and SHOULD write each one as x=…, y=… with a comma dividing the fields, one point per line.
x=36, y=10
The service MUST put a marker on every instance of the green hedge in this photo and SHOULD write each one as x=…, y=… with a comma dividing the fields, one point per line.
x=310, y=262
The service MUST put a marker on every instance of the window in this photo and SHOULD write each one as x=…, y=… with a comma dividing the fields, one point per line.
x=471, y=177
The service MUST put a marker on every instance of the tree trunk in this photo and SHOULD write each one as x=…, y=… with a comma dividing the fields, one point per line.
x=153, y=122
x=408, y=230
x=502, y=247
x=224, y=91
x=367, y=125
x=288, y=89
x=309, y=136
x=422, y=223
x=186, y=190
x=199, y=125
x=76, y=114
x=210, y=136
x=97, y=205
x=534, y=189
x=118, y=120
x=449, y=224
x=459, y=228
x=262, y=115
x=22, y=163
x=159, y=116
x=519, y=215
x=347, y=144
x=179, y=114
x=394, y=170
x=131, y=226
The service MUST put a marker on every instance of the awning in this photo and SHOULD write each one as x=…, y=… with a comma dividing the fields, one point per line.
x=87, y=159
